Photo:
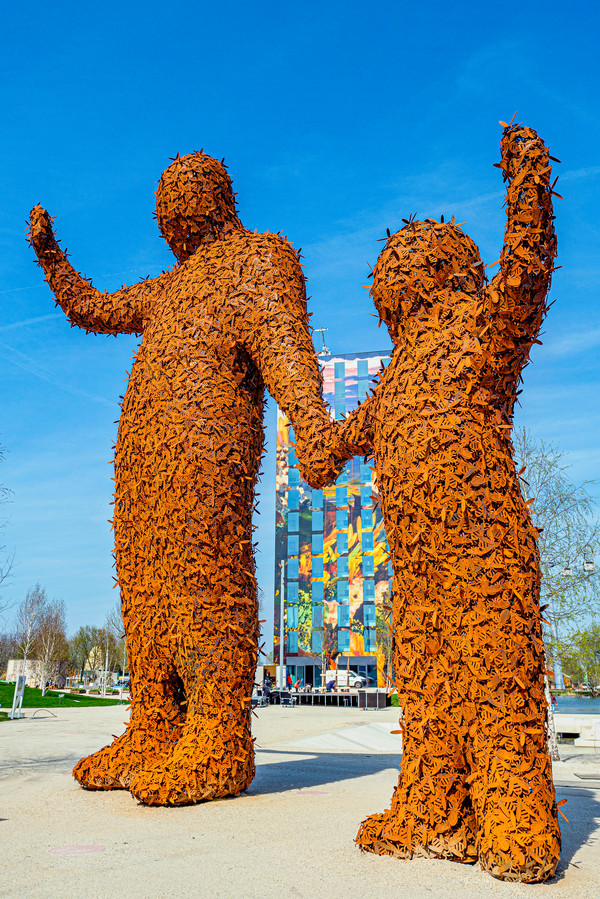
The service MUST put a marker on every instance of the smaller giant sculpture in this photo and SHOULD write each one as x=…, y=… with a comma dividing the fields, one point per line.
x=476, y=778
x=230, y=317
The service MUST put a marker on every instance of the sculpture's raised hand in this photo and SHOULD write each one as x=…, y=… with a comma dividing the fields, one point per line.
x=40, y=233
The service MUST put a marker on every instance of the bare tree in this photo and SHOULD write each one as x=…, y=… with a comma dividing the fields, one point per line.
x=8, y=649
x=28, y=619
x=569, y=539
x=6, y=562
x=51, y=638
x=114, y=626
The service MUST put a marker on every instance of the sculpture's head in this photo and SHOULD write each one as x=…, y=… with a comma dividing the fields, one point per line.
x=195, y=203
x=418, y=263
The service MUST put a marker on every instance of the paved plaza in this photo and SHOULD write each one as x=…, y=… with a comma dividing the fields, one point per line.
x=319, y=773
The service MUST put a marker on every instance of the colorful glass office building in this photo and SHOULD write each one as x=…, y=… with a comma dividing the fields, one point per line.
x=333, y=549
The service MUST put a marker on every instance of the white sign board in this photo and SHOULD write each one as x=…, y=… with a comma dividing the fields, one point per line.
x=18, y=698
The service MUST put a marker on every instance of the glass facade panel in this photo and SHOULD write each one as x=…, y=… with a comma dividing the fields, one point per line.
x=317, y=499
x=369, y=566
x=369, y=614
x=342, y=566
x=341, y=496
x=317, y=615
x=367, y=542
x=368, y=591
x=343, y=591
x=317, y=567
x=291, y=613
x=292, y=591
x=343, y=616
x=292, y=642
x=317, y=592
x=370, y=640
x=317, y=521
x=292, y=549
x=293, y=477
x=293, y=521
x=341, y=520
x=343, y=640
x=342, y=543
x=317, y=545
x=362, y=368
x=292, y=571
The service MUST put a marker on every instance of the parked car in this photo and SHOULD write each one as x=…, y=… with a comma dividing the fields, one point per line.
x=352, y=680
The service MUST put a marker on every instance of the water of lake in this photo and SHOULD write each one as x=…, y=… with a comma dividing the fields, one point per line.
x=577, y=705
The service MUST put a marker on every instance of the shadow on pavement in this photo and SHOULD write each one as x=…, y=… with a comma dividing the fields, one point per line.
x=583, y=812
x=278, y=771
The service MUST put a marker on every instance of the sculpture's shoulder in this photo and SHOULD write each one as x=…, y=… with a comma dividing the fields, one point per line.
x=263, y=248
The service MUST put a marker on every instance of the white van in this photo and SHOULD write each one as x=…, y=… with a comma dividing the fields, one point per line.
x=345, y=679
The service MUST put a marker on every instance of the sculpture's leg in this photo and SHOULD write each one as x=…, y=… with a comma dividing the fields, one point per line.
x=218, y=640
x=157, y=710
x=431, y=812
x=513, y=792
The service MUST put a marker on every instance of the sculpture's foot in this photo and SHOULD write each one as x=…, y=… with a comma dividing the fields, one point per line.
x=520, y=866
x=383, y=834
x=520, y=842
x=115, y=766
x=196, y=772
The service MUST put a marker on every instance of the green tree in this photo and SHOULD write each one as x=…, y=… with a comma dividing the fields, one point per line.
x=383, y=631
x=81, y=644
x=581, y=658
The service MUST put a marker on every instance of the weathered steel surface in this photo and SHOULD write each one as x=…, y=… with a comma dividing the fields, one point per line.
x=476, y=778
x=229, y=318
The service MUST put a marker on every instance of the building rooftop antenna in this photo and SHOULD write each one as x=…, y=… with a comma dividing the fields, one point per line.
x=325, y=350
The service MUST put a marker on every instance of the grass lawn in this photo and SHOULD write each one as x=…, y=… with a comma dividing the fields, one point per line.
x=33, y=698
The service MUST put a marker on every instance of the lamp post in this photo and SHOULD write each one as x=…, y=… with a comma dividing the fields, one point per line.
x=281, y=628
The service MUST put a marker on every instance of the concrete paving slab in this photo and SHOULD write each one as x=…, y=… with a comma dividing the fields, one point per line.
x=290, y=835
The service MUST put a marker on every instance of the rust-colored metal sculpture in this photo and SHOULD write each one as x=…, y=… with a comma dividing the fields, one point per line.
x=231, y=313
x=476, y=778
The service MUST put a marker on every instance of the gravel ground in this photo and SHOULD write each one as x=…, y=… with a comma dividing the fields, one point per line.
x=290, y=835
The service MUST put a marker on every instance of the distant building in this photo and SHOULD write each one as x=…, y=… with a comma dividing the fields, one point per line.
x=56, y=672
x=334, y=548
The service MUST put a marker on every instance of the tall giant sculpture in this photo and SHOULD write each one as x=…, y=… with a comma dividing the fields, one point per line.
x=476, y=778
x=230, y=317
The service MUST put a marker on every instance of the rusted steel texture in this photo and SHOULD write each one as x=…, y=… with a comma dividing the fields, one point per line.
x=476, y=777
x=228, y=319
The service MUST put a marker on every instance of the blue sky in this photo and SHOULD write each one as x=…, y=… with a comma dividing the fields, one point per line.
x=336, y=121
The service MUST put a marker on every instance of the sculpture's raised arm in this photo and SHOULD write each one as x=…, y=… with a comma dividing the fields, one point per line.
x=123, y=311
x=279, y=341
x=517, y=294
